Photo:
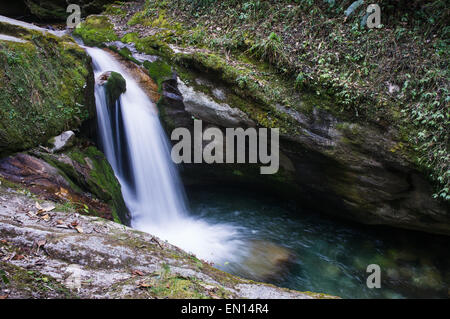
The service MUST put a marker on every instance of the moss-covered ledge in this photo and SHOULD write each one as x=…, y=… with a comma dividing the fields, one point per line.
x=80, y=178
x=95, y=30
x=46, y=87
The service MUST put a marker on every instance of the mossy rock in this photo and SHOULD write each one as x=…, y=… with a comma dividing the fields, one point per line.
x=87, y=170
x=115, y=85
x=125, y=53
x=131, y=37
x=100, y=180
x=96, y=30
x=41, y=100
x=23, y=283
x=159, y=71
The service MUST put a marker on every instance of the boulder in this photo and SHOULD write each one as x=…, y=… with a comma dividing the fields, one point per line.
x=62, y=141
x=204, y=107
x=80, y=177
x=266, y=260
x=114, y=84
x=42, y=94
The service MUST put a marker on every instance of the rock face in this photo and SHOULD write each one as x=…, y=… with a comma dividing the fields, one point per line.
x=342, y=162
x=81, y=177
x=114, y=84
x=203, y=107
x=41, y=94
x=62, y=141
x=267, y=261
x=139, y=73
x=330, y=162
x=87, y=257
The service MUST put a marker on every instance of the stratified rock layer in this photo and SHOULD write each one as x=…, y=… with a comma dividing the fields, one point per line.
x=90, y=257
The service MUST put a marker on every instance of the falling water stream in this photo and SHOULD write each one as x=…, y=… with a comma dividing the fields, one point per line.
x=153, y=192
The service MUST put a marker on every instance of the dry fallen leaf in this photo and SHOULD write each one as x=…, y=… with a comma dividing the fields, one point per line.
x=144, y=285
x=18, y=257
x=3, y=297
x=63, y=191
x=46, y=217
x=214, y=296
x=59, y=222
x=138, y=272
x=74, y=224
x=43, y=210
x=79, y=229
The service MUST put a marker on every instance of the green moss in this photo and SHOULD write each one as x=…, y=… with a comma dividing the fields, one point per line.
x=67, y=171
x=32, y=284
x=8, y=184
x=159, y=71
x=115, y=10
x=163, y=284
x=156, y=44
x=48, y=10
x=115, y=86
x=103, y=183
x=96, y=30
x=126, y=53
x=40, y=100
x=177, y=287
x=131, y=37
x=93, y=175
x=66, y=207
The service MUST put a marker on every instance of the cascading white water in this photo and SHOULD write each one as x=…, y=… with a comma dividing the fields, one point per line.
x=155, y=197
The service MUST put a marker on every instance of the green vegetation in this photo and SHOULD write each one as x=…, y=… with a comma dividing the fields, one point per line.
x=164, y=284
x=159, y=71
x=90, y=173
x=395, y=77
x=96, y=30
x=270, y=49
x=115, y=86
x=31, y=284
x=47, y=10
x=45, y=88
x=115, y=10
x=101, y=180
x=124, y=52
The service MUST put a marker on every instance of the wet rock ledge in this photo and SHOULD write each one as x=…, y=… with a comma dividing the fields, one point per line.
x=43, y=246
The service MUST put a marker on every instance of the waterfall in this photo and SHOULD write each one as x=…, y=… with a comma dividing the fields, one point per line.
x=153, y=192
